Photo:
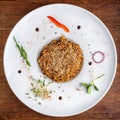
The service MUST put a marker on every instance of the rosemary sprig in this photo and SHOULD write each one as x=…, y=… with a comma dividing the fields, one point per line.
x=22, y=52
x=91, y=85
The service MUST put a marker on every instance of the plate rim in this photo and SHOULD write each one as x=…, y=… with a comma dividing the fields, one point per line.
x=114, y=48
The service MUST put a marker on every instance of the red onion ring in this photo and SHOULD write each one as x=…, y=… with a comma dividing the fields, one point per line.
x=98, y=52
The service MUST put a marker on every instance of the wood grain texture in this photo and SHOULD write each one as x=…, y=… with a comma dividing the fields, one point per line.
x=13, y=10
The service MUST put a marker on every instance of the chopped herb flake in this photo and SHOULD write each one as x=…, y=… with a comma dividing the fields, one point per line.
x=27, y=93
x=29, y=97
x=39, y=103
x=39, y=88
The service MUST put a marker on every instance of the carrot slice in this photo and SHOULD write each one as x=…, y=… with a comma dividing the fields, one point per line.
x=58, y=24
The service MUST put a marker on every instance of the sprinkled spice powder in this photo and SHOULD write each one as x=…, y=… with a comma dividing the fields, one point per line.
x=90, y=52
x=88, y=44
x=59, y=86
x=78, y=89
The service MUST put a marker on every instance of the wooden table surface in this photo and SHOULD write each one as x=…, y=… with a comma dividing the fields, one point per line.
x=13, y=10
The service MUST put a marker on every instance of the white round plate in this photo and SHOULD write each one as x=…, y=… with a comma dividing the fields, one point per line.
x=92, y=36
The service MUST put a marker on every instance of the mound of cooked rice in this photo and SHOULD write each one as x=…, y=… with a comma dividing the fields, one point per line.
x=61, y=60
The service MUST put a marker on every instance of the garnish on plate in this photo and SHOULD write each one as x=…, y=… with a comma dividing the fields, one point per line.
x=58, y=24
x=78, y=27
x=37, y=29
x=95, y=57
x=22, y=52
x=39, y=88
x=91, y=85
x=19, y=71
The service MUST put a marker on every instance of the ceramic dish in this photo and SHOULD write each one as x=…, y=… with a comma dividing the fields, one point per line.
x=33, y=32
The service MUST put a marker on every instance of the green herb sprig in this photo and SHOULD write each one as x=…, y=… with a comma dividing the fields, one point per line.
x=40, y=88
x=22, y=52
x=91, y=85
